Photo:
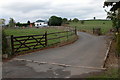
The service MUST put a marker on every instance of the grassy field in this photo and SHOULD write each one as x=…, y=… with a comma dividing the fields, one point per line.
x=37, y=31
x=29, y=31
x=105, y=25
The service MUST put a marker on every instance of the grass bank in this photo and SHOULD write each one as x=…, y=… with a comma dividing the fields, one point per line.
x=110, y=74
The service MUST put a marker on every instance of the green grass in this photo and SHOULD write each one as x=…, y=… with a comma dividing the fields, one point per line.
x=105, y=25
x=37, y=31
x=111, y=73
x=30, y=31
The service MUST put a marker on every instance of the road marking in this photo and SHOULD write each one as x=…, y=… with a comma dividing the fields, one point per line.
x=58, y=64
x=90, y=67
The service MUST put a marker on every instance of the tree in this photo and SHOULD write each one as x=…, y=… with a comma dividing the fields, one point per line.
x=75, y=20
x=64, y=20
x=5, y=46
x=18, y=24
x=55, y=21
x=28, y=22
x=12, y=22
x=70, y=20
x=112, y=16
x=2, y=21
x=115, y=17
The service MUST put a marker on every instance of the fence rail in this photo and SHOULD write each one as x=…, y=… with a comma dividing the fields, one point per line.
x=31, y=42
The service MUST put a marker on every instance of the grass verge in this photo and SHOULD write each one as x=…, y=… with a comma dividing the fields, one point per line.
x=106, y=75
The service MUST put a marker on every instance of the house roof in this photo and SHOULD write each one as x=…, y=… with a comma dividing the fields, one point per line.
x=40, y=21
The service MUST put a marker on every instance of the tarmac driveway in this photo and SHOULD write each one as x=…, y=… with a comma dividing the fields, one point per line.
x=84, y=56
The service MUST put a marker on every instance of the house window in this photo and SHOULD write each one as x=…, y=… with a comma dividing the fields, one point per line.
x=40, y=23
x=37, y=24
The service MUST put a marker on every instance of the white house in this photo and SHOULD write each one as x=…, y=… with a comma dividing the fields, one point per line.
x=41, y=23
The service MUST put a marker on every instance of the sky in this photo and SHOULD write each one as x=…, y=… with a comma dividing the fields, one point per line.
x=112, y=0
x=24, y=10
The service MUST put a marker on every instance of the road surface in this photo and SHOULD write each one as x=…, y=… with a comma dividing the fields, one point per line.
x=84, y=56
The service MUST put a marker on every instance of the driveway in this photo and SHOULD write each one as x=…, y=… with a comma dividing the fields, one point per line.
x=84, y=56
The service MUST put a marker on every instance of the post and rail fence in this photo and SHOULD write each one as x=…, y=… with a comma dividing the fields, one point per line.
x=31, y=42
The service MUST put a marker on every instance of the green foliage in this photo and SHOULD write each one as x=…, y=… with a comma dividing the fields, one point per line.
x=64, y=20
x=18, y=24
x=118, y=44
x=118, y=23
x=115, y=19
x=111, y=73
x=2, y=21
x=112, y=16
x=5, y=45
x=55, y=21
x=75, y=20
x=82, y=22
x=12, y=22
x=22, y=24
x=28, y=22
x=70, y=20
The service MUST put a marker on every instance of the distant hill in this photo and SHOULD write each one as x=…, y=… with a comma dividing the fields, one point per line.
x=97, y=20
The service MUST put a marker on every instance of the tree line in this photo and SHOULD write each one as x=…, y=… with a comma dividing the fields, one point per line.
x=58, y=21
x=53, y=21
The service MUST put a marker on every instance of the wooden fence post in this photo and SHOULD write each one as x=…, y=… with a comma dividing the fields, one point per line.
x=75, y=30
x=93, y=30
x=46, y=41
x=67, y=35
x=12, y=44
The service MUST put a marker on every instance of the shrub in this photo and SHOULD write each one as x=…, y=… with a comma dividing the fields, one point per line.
x=118, y=44
x=82, y=22
x=5, y=45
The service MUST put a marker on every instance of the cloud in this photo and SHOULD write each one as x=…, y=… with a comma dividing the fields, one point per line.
x=23, y=10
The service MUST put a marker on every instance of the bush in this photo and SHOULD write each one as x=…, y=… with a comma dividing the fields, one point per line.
x=118, y=44
x=5, y=45
x=82, y=22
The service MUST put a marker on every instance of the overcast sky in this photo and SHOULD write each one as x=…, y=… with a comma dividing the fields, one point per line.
x=24, y=10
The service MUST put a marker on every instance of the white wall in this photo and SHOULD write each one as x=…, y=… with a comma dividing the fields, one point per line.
x=40, y=24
